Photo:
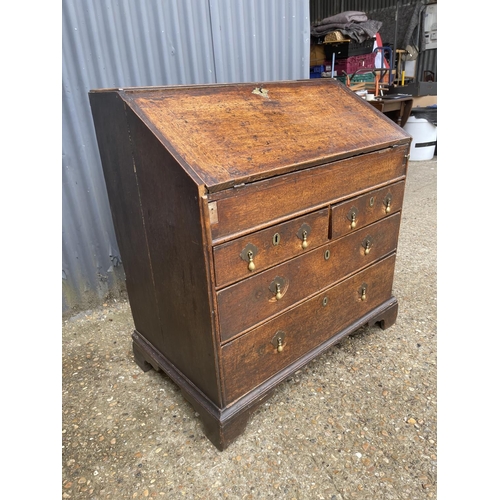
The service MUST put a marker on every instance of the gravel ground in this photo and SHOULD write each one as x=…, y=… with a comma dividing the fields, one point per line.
x=359, y=422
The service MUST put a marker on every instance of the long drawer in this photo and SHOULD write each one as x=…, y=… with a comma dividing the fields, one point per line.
x=271, y=292
x=259, y=354
x=240, y=210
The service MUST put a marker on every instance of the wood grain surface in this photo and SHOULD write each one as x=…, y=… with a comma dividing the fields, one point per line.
x=262, y=203
x=230, y=267
x=303, y=276
x=369, y=208
x=229, y=134
x=251, y=359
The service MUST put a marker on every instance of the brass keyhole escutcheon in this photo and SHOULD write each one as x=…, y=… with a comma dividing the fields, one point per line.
x=276, y=239
x=327, y=254
x=372, y=201
x=362, y=291
x=279, y=295
x=367, y=244
x=303, y=233
x=248, y=255
x=278, y=341
x=387, y=203
x=325, y=301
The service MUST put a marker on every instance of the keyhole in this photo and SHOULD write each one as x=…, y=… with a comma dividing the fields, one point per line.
x=276, y=239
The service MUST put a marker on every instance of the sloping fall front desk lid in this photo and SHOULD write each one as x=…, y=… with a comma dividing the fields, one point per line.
x=229, y=134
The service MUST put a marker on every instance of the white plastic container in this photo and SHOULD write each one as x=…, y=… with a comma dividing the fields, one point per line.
x=423, y=132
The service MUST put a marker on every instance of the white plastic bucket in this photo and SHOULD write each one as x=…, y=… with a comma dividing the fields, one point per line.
x=424, y=136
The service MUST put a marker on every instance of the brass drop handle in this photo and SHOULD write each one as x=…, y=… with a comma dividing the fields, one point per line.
x=352, y=217
x=367, y=244
x=251, y=263
x=387, y=203
x=303, y=233
x=278, y=341
x=280, y=345
x=353, y=220
x=304, y=239
x=278, y=287
x=248, y=255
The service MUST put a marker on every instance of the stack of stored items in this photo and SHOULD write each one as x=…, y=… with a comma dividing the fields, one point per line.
x=354, y=25
x=318, y=62
x=346, y=41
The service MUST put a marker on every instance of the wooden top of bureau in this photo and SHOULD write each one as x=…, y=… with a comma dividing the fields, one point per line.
x=228, y=134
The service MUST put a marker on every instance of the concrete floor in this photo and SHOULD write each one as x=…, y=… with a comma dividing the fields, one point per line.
x=357, y=423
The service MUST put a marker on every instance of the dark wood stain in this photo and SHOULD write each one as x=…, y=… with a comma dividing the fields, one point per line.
x=123, y=194
x=172, y=218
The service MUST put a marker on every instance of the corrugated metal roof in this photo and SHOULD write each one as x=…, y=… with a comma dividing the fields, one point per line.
x=126, y=43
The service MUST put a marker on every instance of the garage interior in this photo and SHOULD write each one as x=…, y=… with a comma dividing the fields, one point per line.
x=387, y=54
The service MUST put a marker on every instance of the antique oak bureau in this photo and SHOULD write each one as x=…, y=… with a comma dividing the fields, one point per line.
x=257, y=225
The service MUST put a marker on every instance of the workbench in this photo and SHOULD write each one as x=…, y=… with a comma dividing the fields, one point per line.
x=398, y=109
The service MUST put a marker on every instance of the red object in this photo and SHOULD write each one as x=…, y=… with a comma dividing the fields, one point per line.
x=381, y=63
x=355, y=64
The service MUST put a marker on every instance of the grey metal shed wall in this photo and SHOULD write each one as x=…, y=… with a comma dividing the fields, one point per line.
x=122, y=43
x=260, y=39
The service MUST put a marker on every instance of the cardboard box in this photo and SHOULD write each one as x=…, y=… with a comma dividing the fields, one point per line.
x=317, y=55
x=424, y=101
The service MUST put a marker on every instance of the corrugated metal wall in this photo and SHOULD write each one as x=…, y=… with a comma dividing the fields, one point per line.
x=270, y=41
x=122, y=43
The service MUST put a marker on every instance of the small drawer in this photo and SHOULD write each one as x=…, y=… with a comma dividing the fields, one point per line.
x=272, y=347
x=253, y=300
x=258, y=251
x=363, y=210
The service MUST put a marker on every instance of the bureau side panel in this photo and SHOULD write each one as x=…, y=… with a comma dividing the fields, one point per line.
x=110, y=124
x=174, y=228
